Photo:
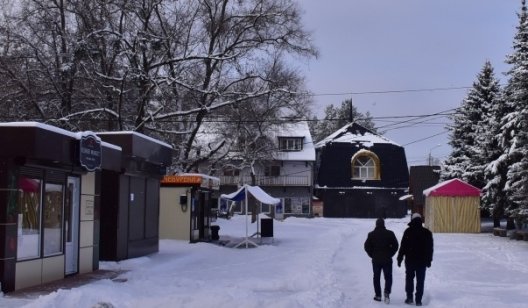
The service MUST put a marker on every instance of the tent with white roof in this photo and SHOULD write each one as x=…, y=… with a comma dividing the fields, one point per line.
x=242, y=195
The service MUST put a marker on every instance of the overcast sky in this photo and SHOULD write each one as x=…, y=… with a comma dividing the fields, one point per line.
x=387, y=45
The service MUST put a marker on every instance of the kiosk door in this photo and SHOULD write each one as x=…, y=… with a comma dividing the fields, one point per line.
x=71, y=225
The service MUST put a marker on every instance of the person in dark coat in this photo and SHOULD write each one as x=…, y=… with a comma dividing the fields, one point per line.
x=381, y=245
x=417, y=248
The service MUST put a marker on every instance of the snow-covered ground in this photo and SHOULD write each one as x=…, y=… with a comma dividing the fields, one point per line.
x=311, y=263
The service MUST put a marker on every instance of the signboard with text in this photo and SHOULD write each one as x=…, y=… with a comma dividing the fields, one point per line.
x=90, y=152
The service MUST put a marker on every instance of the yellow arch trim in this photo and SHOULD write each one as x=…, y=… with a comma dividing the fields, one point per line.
x=373, y=156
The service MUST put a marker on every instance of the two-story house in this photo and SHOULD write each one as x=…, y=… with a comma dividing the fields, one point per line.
x=286, y=173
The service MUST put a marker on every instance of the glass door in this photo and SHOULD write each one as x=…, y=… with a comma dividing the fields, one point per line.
x=71, y=224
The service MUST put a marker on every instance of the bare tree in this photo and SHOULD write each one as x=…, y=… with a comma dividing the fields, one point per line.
x=161, y=67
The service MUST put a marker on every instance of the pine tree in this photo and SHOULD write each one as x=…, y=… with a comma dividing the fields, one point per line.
x=491, y=158
x=515, y=124
x=470, y=130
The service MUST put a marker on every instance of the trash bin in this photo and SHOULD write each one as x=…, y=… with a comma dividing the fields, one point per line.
x=214, y=233
x=266, y=227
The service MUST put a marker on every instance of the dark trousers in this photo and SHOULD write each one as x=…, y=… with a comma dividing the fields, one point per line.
x=412, y=271
x=387, y=275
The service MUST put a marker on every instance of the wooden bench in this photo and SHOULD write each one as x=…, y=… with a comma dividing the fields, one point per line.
x=500, y=232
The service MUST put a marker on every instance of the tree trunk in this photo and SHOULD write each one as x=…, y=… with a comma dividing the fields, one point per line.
x=510, y=223
x=496, y=222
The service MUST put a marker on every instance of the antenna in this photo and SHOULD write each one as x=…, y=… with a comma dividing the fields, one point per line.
x=351, y=115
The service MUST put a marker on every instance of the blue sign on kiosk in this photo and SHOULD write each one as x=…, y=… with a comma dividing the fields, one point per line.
x=90, y=152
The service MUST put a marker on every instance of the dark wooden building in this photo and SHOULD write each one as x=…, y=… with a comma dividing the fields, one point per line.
x=131, y=196
x=421, y=178
x=360, y=174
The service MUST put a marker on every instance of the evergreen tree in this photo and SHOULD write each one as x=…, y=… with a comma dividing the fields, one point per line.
x=337, y=117
x=470, y=132
x=487, y=138
x=514, y=136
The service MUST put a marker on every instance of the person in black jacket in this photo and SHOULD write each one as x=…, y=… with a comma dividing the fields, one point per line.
x=381, y=245
x=417, y=248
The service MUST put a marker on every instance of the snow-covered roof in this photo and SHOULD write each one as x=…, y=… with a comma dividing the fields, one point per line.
x=208, y=136
x=354, y=133
x=297, y=129
x=453, y=187
x=58, y=130
x=138, y=135
x=41, y=126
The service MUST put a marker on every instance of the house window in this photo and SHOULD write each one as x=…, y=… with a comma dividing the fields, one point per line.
x=365, y=166
x=290, y=144
x=272, y=171
x=231, y=172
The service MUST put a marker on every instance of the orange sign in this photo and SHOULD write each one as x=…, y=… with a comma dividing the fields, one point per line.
x=181, y=179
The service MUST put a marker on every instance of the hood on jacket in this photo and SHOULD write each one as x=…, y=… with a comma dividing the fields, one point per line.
x=415, y=222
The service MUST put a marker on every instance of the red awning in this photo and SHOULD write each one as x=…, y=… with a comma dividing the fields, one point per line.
x=454, y=187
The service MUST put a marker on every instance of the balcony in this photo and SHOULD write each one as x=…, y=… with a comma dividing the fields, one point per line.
x=267, y=180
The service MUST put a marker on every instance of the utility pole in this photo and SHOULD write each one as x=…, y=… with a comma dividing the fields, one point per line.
x=430, y=158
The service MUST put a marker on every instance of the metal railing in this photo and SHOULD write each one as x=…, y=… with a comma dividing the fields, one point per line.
x=267, y=180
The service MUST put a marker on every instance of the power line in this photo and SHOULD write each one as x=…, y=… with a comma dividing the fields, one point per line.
x=391, y=91
x=422, y=139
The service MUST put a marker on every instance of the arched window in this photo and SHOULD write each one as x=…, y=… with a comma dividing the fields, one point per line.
x=365, y=166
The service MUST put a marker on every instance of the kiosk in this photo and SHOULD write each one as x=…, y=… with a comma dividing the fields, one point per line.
x=187, y=206
x=49, y=202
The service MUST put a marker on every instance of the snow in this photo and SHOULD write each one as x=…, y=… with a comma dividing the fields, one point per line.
x=297, y=129
x=57, y=130
x=453, y=187
x=255, y=191
x=316, y=262
x=367, y=139
x=138, y=135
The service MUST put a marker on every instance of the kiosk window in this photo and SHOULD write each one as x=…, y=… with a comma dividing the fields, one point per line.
x=52, y=219
x=28, y=218
x=40, y=226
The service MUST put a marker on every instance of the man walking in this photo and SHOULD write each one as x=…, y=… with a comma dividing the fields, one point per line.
x=417, y=248
x=381, y=245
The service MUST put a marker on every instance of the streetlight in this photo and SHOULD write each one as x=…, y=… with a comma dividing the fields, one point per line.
x=430, y=150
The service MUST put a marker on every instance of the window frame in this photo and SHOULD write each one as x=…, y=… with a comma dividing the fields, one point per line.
x=46, y=178
x=291, y=144
x=272, y=171
x=371, y=166
x=46, y=240
x=21, y=248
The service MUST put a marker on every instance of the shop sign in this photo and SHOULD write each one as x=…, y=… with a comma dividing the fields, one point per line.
x=90, y=152
x=181, y=179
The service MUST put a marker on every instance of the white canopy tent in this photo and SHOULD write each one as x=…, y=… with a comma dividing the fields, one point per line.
x=242, y=195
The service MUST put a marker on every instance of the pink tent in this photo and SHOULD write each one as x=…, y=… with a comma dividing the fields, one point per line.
x=454, y=187
x=452, y=206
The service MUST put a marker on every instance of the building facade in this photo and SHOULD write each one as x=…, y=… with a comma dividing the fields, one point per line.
x=131, y=196
x=287, y=174
x=359, y=173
